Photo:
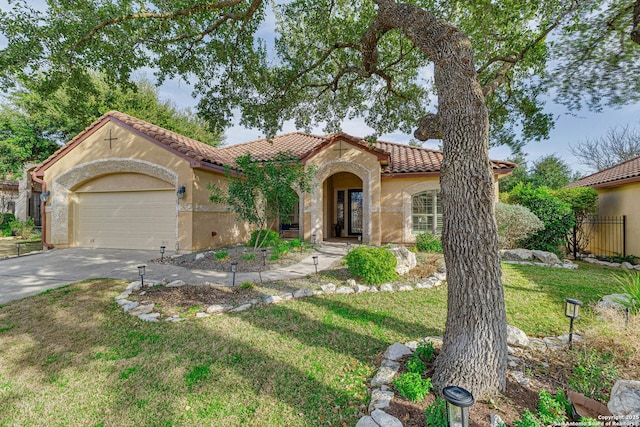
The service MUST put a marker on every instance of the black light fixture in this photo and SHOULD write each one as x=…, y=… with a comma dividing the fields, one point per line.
x=315, y=262
x=572, y=311
x=141, y=269
x=264, y=257
x=162, y=249
x=234, y=268
x=458, y=402
x=180, y=193
x=18, y=248
x=313, y=239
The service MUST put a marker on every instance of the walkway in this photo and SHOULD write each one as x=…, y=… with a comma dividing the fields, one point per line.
x=31, y=274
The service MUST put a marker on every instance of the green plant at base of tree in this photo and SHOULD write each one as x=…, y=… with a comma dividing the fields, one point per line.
x=425, y=350
x=221, y=255
x=527, y=420
x=412, y=386
x=551, y=409
x=271, y=238
x=428, y=242
x=373, y=265
x=436, y=413
x=593, y=374
x=415, y=365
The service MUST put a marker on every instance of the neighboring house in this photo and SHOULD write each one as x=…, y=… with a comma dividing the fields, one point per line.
x=618, y=190
x=125, y=183
x=8, y=196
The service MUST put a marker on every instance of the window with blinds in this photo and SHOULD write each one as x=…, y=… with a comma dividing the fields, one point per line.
x=426, y=212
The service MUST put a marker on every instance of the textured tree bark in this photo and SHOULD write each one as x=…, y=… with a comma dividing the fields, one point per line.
x=474, y=353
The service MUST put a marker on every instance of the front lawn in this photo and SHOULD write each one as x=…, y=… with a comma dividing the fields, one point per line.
x=72, y=357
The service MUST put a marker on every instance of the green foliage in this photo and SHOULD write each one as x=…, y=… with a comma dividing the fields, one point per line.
x=555, y=214
x=24, y=229
x=263, y=238
x=249, y=257
x=593, y=374
x=629, y=284
x=527, y=420
x=262, y=191
x=428, y=242
x=619, y=258
x=5, y=225
x=550, y=171
x=196, y=375
x=247, y=285
x=412, y=386
x=515, y=223
x=295, y=243
x=436, y=413
x=583, y=200
x=551, y=409
x=373, y=265
x=425, y=351
x=415, y=365
x=221, y=255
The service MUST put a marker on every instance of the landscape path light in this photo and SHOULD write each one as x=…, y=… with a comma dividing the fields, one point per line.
x=141, y=269
x=315, y=262
x=18, y=248
x=264, y=257
x=458, y=402
x=162, y=249
x=572, y=310
x=348, y=247
x=313, y=239
x=234, y=268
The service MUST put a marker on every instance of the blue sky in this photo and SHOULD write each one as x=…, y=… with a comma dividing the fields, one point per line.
x=571, y=127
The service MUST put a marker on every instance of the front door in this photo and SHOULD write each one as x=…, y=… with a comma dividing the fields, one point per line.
x=355, y=212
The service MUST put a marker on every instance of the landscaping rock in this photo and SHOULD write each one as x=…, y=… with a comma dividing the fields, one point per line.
x=625, y=400
x=124, y=295
x=286, y=296
x=396, y=351
x=240, y=308
x=373, y=289
x=134, y=286
x=366, y=421
x=317, y=292
x=537, y=344
x=496, y=421
x=612, y=301
x=515, y=254
x=329, y=289
x=545, y=257
x=303, y=293
x=352, y=283
x=636, y=267
x=218, y=308
x=386, y=287
x=141, y=309
x=385, y=420
x=149, y=317
x=569, y=265
x=384, y=376
x=361, y=288
x=406, y=260
x=439, y=277
x=343, y=290
x=199, y=257
x=127, y=305
x=516, y=337
x=380, y=399
x=201, y=315
x=554, y=343
x=175, y=319
x=176, y=284
x=627, y=265
x=405, y=288
x=521, y=378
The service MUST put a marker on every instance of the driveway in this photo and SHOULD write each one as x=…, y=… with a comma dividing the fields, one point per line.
x=28, y=275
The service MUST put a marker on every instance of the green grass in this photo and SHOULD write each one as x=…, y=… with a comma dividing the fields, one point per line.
x=72, y=357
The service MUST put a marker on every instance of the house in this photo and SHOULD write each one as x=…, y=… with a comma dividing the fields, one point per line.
x=8, y=196
x=126, y=183
x=618, y=190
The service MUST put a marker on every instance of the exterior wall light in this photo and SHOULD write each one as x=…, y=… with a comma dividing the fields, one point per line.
x=315, y=262
x=572, y=311
x=44, y=196
x=180, y=193
x=234, y=268
x=141, y=269
x=162, y=249
x=264, y=257
x=458, y=402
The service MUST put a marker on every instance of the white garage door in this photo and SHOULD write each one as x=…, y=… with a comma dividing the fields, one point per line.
x=126, y=220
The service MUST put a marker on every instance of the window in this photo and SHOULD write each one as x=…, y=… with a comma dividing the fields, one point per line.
x=426, y=212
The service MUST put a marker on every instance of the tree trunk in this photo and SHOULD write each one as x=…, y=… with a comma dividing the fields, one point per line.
x=474, y=353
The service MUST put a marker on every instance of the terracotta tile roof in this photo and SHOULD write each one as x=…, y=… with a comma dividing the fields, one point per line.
x=622, y=173
x=401, y=158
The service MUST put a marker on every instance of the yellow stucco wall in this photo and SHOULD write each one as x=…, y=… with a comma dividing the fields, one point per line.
x=624, y=200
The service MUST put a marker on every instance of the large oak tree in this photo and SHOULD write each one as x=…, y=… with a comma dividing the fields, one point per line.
x=336, y=59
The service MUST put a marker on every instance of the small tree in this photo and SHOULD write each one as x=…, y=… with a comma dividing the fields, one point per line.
x=515, y=223
x=583, y=202
x=618, y=144
x=259, y=192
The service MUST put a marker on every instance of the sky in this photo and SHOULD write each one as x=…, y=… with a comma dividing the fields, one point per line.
x=571, y=127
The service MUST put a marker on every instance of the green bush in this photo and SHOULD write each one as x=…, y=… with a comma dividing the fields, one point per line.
x=593, y=374
x=425, y=351
x=222, y=254
x=515, y=223
x=527, y=420
x=373, y=265
x=436, y=413
x=427, y=242
x=271, y=239
x=412, y=386
x=24, y=229
x=552, y=409
x=415, y=365
x=555, y=214
x=629, y=285
x=5, y=225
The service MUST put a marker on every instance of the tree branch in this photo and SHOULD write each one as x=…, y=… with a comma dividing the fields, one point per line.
x=428, y=128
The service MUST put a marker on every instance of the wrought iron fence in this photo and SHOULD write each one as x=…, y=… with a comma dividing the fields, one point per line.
x=602, y=235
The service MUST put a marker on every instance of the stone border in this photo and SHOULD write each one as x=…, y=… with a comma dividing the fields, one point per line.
x=145, y=311
x=624, y=265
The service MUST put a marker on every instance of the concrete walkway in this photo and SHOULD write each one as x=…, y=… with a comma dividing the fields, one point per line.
x=28, y=275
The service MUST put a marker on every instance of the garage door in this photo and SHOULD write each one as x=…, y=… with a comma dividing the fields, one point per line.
x=126, y=220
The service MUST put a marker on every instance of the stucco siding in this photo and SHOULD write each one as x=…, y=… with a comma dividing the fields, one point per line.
x=624, y=200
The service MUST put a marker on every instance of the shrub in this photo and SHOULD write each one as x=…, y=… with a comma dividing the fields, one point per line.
x=247, y=285
x=555, y=214
x=425, y=350
x=23, y=229
x=249, y=257
x=551, y=409
x=373, y=265
x=427, y=242
x=412, y=386
x=436, y=413
x=5, y=225
x=527, y=420
x=593, y=374
x=415, y=365
x=271, y=238
x=222, y=254
x=515, y=223
x=630, y=286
